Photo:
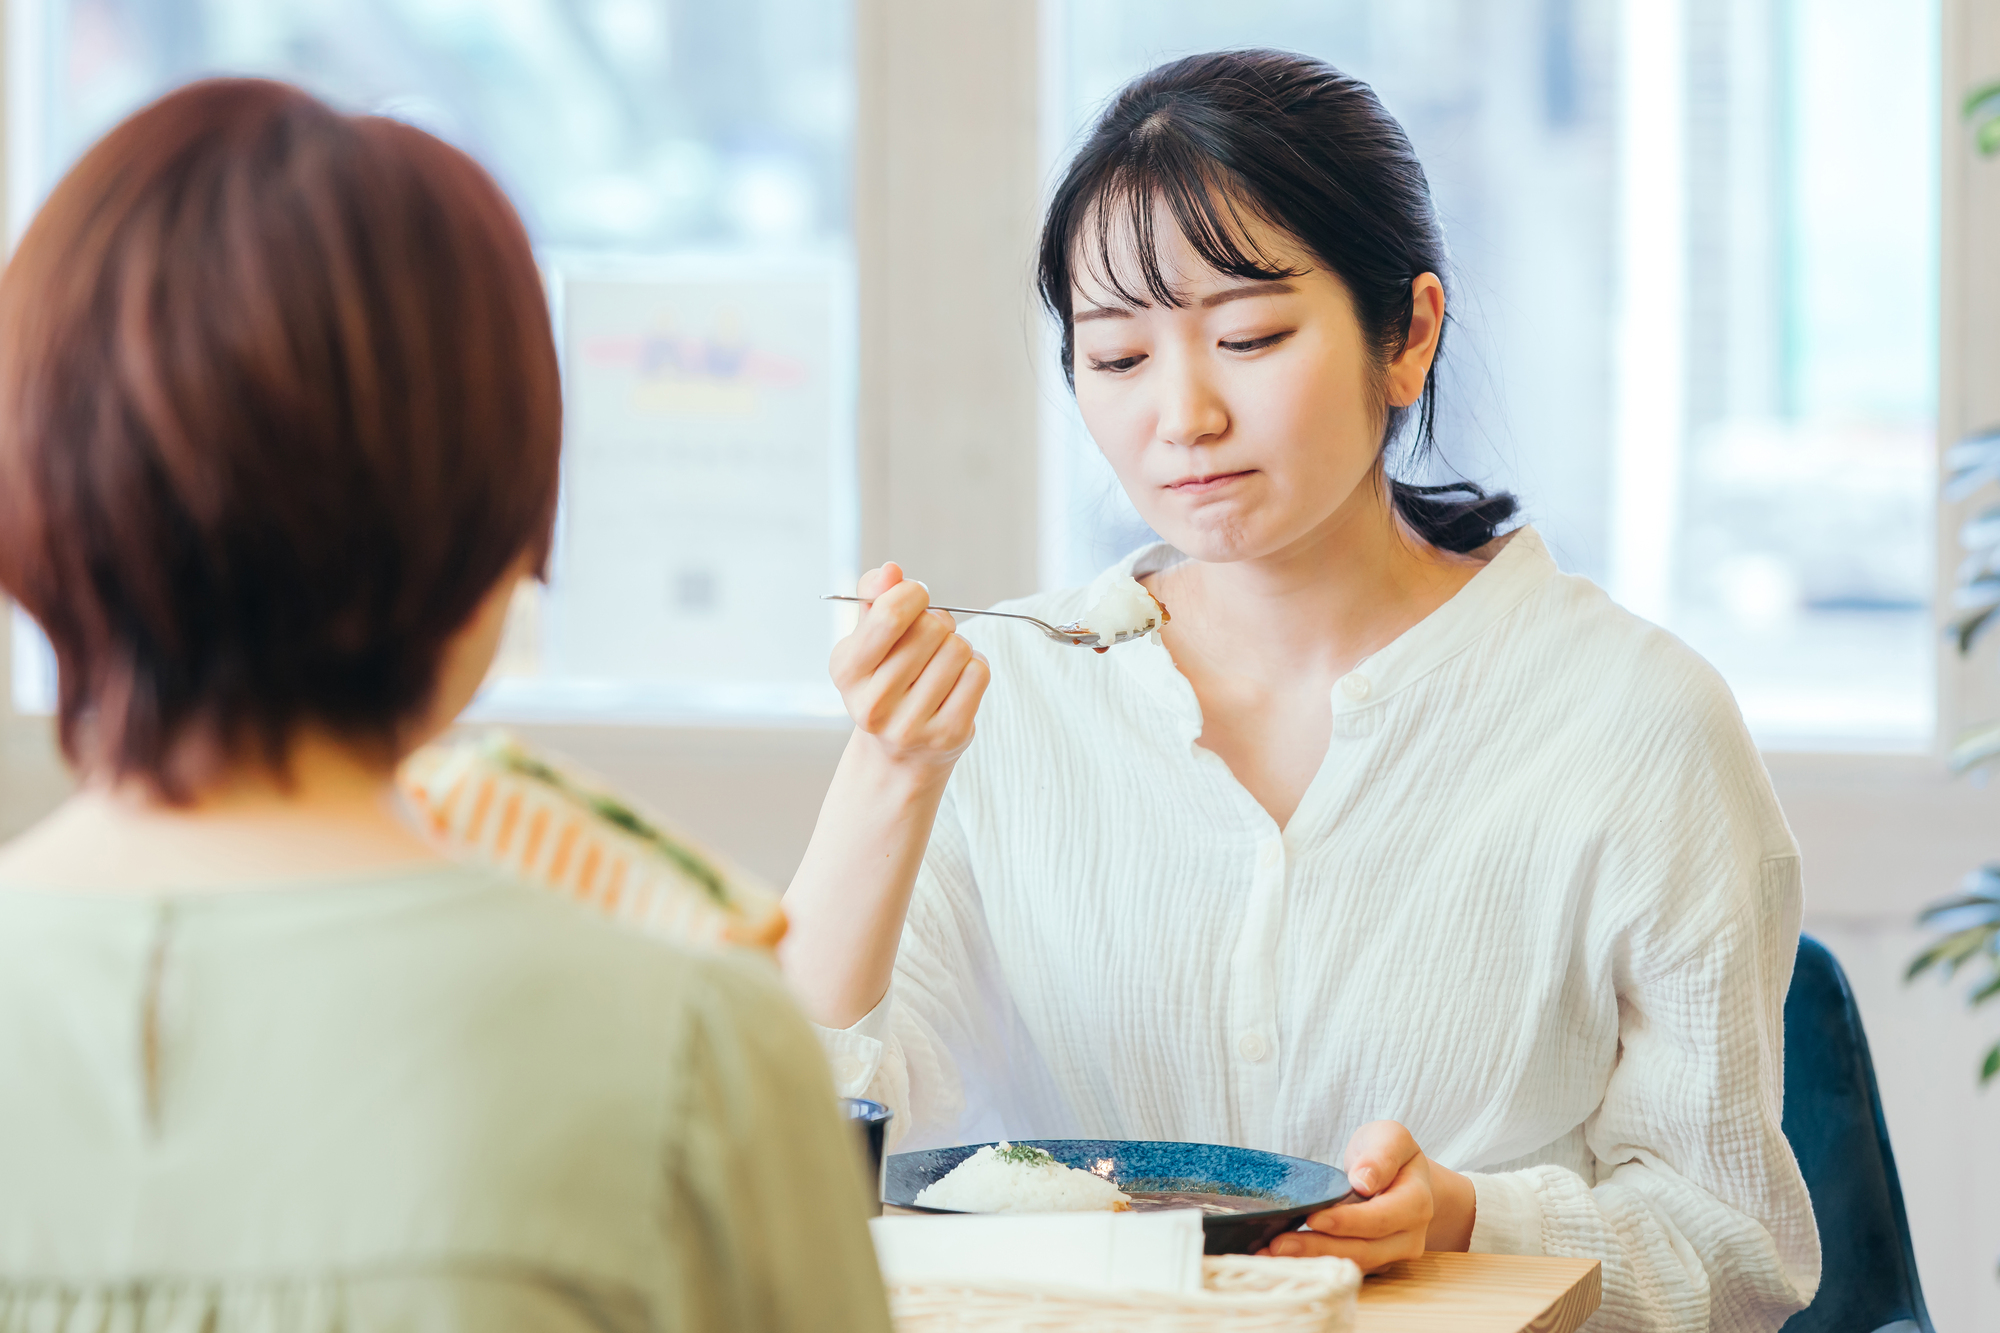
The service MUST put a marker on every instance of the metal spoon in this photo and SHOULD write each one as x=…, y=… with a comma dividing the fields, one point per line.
x=1072, y=633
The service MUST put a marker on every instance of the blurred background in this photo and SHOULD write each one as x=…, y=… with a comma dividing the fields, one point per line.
x=1704, y=251
x=1665, y=342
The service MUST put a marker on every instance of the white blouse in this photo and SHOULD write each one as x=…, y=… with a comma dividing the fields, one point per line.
x=1539, y=904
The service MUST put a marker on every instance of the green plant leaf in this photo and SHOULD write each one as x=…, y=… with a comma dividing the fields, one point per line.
x=1924, y=962
x=1988, y=137
x=1975, y=747
x=1982, y=561
x=1972, y=462
x=1967, y=629
x=1952, y=952
x=1961, y=947
x=1985, y=902
x=1991, y=1067
x=1982, y=594
x=1978, y=96
x=1985, y=992
x=1981, y=530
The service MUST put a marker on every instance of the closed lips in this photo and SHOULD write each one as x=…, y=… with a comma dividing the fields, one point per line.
x=1194, y=483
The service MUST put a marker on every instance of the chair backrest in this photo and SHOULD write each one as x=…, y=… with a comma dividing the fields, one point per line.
x=1833, y=1118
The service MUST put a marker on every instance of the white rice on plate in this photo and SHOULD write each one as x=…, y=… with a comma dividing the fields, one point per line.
x=1005, y=1178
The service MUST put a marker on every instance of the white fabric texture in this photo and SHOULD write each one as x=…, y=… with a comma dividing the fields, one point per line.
x=1539, y=904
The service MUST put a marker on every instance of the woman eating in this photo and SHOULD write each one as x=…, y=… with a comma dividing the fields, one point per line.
x=279, y=431
x=1397, y=847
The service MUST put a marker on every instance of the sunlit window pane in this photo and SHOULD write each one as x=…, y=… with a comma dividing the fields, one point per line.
x=684, y=170
x=1804, y=559
x=1695, y=284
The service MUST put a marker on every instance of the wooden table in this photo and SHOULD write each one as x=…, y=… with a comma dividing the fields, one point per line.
x=1479, y=1293
x=1469, y=1293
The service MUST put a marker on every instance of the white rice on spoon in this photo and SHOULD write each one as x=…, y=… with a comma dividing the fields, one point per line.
x=1005, y=1178
x=1124, y=607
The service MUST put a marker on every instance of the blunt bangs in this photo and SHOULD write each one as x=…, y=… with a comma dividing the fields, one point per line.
x=1166, y=181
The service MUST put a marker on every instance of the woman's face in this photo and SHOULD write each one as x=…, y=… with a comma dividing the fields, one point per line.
x=1249, y=418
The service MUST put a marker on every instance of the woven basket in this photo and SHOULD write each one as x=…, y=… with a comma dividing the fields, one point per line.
x=1242, y=1294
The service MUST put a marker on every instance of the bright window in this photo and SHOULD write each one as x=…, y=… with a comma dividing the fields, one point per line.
x=1696, y=292
x=684, y=168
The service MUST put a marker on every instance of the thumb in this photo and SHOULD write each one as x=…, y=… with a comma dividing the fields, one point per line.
x=878, y=581
x=1377, y=1154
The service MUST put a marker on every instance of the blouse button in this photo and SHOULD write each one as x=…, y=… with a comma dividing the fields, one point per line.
x=1251, y=1047
x=1355, y=686
x=1271, y=854
x=847, y=1070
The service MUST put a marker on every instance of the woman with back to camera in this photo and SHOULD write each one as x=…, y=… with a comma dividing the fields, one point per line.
x=1401, y=837
x=279, y=427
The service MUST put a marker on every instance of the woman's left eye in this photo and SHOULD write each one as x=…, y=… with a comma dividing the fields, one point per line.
x=1255, y=344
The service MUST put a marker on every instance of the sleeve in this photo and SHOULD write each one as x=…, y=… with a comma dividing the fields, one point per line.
x=765, y=1212
x=1695, y=1205
x=944, y=1049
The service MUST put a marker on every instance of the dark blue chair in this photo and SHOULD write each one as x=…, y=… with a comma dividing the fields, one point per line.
x=1833, y=1118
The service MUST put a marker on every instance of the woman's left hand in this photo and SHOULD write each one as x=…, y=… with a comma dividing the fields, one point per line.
x=1408, y=1204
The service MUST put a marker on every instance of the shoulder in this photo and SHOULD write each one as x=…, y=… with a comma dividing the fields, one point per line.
x=1624, y=665
x=1619, y=711
x=628, y=984
x=1645, y=730
x=637, y=1029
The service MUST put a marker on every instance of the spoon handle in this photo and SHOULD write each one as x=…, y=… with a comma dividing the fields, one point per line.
x=1043, y=625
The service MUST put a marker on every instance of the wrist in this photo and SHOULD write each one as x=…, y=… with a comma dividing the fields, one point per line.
x=893, y=775
x=1454, y=1208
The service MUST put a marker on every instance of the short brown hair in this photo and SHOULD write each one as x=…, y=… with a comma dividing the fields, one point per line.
x=278, y=406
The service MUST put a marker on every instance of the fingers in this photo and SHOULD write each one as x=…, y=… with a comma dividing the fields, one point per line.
x=1377, y=1154
x=1368, y=1255
x=875, y=699
x=955, y=715
x=906, y=677
x=1405, y=1206
x=1392, y=1216
x=882, y=629
x=878, y=581
x=934, y=683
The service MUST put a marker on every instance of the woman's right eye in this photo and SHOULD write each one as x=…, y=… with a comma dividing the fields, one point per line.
x=1116, y=365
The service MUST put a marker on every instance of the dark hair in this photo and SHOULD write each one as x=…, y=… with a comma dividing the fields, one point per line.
x=1313, y=153
x=278, y=408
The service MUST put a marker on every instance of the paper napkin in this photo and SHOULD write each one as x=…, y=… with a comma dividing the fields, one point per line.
x=1157, y=1252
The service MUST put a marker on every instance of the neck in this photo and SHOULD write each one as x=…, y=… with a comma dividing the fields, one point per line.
x=332, y=813
x=1322, y=604
x=321, y=775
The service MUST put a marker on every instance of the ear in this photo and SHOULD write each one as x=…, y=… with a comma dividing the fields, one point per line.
x=1409, y=370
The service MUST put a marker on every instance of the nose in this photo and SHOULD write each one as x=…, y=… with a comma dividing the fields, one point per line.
x=1190, y=413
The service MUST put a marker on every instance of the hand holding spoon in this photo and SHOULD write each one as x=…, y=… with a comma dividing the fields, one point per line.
x=1074, y=633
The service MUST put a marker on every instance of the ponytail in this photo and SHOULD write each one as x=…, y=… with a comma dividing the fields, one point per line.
x=1458, y=517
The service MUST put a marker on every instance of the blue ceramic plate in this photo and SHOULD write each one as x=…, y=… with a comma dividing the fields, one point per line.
x=1275, y=1192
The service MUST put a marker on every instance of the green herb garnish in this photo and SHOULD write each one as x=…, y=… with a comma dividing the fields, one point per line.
x=1020, y=1154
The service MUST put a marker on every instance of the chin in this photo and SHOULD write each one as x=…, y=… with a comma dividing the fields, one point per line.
x=1216, y=541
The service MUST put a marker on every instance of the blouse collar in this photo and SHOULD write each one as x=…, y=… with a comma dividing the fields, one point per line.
x=1520, y=564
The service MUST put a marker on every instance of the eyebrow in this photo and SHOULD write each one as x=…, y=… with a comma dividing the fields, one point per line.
x=1248, y=289
x=1273, y=288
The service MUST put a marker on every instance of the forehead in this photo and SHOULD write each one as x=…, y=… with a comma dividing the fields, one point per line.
x=1132, y=252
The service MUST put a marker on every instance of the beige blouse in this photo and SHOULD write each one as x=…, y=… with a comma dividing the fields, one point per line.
x=432, y=1100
